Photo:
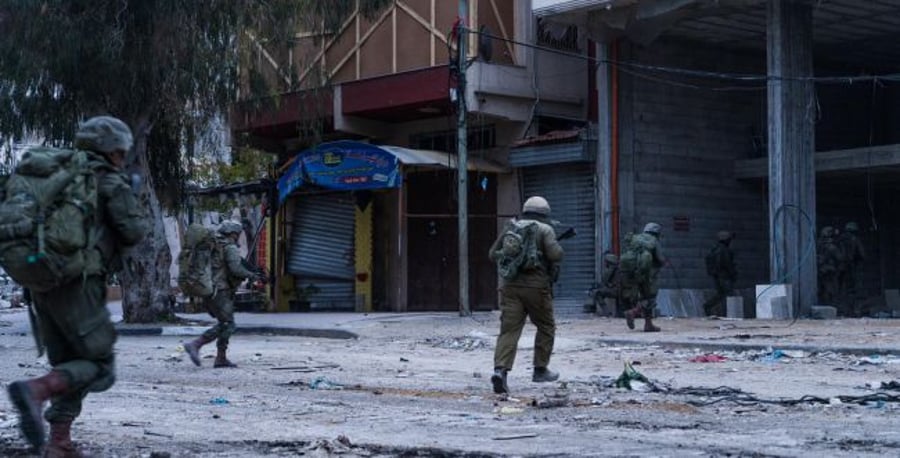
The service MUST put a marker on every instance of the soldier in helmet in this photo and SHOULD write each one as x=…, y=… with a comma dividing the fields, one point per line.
x=74, y=323
x=527, y=293
x=721, y=267
x=228, y=273
x=850, y=273
x=828, y=261
x=639, y=265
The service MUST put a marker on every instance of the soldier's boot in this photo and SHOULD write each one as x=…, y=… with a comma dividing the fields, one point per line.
x=631, y=314
x=499, y=381
x=222, y=358
x=29, y=396
x=192, y=348
x=60, y=445
x=542, y=374
x=648, y=324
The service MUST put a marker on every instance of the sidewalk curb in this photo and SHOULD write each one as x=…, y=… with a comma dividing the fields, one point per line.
x=738, y=346
x=138, y=330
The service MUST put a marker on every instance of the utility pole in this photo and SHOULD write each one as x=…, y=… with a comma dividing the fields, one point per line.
x=462, y=163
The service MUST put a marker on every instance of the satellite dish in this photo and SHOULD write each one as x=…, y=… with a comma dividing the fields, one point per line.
x=485, y=43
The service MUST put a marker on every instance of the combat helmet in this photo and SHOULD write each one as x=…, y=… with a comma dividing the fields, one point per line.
x=536, y=204
x=724, y=236
x=851, y=227
x=827, y=231
x=104, y=134
x=652, y=228
x=229, y=227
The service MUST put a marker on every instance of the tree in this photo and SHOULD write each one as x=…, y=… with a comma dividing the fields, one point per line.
x=166, y=67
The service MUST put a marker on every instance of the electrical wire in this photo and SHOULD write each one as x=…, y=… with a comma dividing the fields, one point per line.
x=808, y=251
x=703, y=74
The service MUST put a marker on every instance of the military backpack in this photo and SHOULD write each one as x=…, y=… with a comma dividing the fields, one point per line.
x=195, y=261
x=637, y=258
x=48, y=218
x=518, y=248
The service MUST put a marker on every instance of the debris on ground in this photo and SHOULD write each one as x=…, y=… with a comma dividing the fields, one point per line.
x=473, y=341
x=322, y=383
x=514, y=436
x=558, y=398
x=633, y=380
x=708, y=358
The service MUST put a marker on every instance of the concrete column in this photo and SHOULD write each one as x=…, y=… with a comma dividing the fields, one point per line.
x=792, y=179
x=603, y=197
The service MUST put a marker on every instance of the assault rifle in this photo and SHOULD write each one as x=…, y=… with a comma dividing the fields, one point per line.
x=567, y=234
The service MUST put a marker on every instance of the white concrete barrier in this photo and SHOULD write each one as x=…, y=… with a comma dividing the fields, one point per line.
x=764, y=296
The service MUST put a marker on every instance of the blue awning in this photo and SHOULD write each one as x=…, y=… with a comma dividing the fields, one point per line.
x=349, y=165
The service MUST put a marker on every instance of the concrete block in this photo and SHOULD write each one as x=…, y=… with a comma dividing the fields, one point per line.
x=892, y=299
x=734, y=306
x=824, y=312
x=780, y=309
x=764, y=296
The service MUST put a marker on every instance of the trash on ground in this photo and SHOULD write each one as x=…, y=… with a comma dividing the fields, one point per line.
x=322, y=383
x=514, y=436
x=218, y=401
x=629, y=377
x=708, y=358
x=467, y=343
x=557, y=399
x=508, y=410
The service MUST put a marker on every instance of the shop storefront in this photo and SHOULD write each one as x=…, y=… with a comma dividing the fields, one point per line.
x=373, y=228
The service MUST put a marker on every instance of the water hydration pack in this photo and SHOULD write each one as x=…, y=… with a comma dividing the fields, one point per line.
x=518, y=248
x=48, y=218
x=195, y=272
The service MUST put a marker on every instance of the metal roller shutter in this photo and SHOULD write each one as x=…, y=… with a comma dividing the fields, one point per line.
x=322, y=249
x=569, y=188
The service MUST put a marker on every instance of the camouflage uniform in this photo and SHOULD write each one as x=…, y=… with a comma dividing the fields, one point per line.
x=724, y=274
x=228, y=273
x=639, y=281
x=528, y=294
x=850, y=273
x=73, y=320
x=828, y=260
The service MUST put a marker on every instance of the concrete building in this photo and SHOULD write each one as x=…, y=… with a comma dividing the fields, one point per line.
x=767, y=118
x=344, y=241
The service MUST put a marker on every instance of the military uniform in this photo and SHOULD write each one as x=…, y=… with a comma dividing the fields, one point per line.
x=850, y=272
x=228, y=273
x=724, y=274
x=828, y=259
x=529, y=295
x=640, y=266
x=73, y=321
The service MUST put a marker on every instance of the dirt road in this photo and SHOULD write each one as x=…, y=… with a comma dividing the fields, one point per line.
x=421, y=388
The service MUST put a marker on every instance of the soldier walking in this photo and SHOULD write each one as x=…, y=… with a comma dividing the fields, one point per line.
x=639, y=265
x=73, y=321
x=850, y=272
x=228, y=273
x=721, y=267
x=526, y=292
x=828, y=262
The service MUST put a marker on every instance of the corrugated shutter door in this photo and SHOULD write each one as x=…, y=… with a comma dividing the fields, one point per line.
x=322, y=241
x=569, y=188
